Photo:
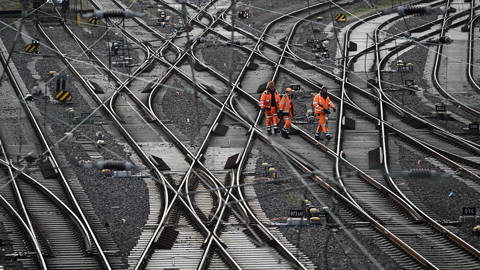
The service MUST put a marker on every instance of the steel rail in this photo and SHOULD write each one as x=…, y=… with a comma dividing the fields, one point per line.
x=396, y=108
x=412, y=139
x=243, y=160
x=313, y=84
x=252, y=131
x=437, y=224
x=236, y=83
x=437, y=130
x=137, y=101
x=33, y=241
x=417, y=211
x=208, y=243
x=55, y=199
x=143, y=156
x=178, y=143
x=453, y=237
x=26, y=225
x=471, y=49
x=441, y=154
x=392, y=237
x=376, y=224
x=89, y=234
x=441, y=229
x=232, y=91
x=341, y=113
x=20, y=200
x=380, y=94
x=186, y=178
x=12, y=170
x=18, y=195
x=401, y=34
x=225, y=254
x=436, y=68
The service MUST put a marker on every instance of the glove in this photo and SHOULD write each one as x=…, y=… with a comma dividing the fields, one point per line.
x=326, y=111
x=262, y=110
x=334, y=109
x=280, y=114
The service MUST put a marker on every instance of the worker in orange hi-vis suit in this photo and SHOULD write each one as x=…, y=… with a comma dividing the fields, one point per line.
x=322, y=104
x=269, y=103
x=286, y=111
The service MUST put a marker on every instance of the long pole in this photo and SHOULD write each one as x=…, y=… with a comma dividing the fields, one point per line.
x=187, y=48
x=230, y=75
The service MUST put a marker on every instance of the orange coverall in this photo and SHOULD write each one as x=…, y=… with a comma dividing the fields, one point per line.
x=286, y=106
x=270, y=107
x=320, y=103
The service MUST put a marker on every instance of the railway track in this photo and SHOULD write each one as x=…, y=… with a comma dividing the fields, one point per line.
x=210, y=239
x=196, y=206
x=423, y=250
x=442, y=89
x=64, y=234
x=19, y=228
x=384, y=147
x=223, y=209
x=441, y=132
x=471, y=48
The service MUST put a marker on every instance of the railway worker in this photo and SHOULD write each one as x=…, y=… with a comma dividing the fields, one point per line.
x=409, y=67
x=286, y=111
x=322, y=103
x=400, y=65
x=269, y=103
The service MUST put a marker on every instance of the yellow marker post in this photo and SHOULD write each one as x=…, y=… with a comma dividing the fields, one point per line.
x=78, y=19
x=59, y=94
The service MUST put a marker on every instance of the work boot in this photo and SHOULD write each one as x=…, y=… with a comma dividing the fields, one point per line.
x=317, y=137
x=328, y=136
x=285, y=134
x=269, y=130
x=276, y=130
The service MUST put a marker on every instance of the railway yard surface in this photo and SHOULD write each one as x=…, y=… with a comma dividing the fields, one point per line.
x=133, y=134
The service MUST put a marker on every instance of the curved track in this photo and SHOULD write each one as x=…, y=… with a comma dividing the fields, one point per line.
x=384, y=206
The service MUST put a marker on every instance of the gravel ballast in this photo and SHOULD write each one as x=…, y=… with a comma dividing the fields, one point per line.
x=323, y=246
x=112, y=199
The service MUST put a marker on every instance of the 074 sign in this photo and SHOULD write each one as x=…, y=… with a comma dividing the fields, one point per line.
x=469, y=211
